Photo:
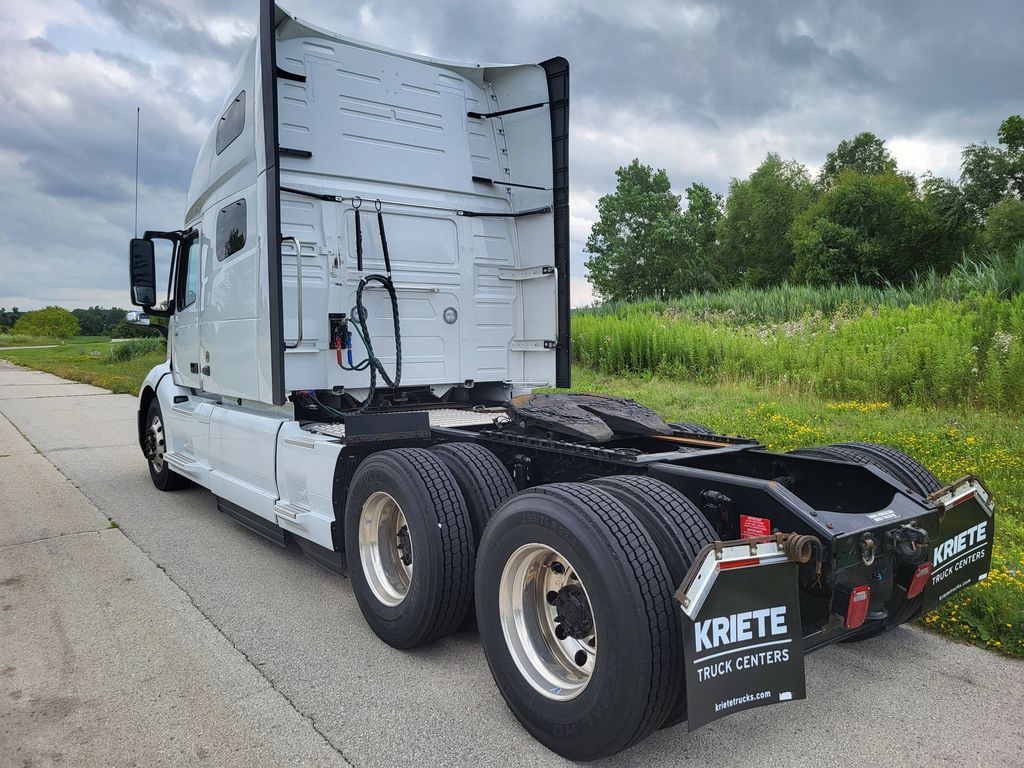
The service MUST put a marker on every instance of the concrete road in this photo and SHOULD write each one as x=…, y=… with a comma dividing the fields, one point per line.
x=180, y=638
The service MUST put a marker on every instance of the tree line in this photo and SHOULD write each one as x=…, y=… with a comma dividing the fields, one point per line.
x=861, y=219
x=60, y=323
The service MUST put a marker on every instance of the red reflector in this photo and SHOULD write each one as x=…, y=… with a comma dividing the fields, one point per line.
x=738, y=563
x=920, y=580
x=857, y=607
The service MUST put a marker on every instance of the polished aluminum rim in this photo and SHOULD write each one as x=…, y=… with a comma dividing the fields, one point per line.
x=156, y=445
x=385, y=548
x=555, y=653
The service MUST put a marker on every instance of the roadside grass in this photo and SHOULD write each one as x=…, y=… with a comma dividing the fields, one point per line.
x=22, y=340
x=951, y=442
x=93, y=362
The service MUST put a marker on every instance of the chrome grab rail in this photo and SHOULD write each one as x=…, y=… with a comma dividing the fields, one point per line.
x=298, y=286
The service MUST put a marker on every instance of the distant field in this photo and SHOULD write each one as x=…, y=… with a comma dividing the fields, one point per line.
x=21, y=340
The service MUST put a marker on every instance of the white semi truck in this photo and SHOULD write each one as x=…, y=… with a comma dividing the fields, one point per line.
x=370, y=281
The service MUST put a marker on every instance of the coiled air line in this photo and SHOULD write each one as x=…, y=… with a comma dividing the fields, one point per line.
x=343, y=341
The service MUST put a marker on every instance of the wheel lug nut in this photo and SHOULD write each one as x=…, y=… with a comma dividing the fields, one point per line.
x=551, y=597
x=580, y=658
x=560, y=632
x=557, y=567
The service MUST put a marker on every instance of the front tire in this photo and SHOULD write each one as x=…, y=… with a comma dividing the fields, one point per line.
x=409, y=547
x=574, y=605
x=155, y=448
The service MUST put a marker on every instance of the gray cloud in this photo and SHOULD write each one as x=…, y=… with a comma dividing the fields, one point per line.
x=703, y=89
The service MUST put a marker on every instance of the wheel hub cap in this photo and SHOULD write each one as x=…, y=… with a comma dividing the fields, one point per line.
x=548, y=622
x=385, y=548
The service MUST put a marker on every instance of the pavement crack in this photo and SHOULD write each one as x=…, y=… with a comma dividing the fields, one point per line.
x=50, y=538
x=257, y=666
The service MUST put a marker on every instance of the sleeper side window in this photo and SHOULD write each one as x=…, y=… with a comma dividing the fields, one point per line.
x=231, y=227
x=231, y=123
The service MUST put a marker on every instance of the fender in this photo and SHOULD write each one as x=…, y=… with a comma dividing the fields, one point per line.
x=158, y=383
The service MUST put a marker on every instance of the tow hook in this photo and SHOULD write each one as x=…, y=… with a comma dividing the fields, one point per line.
x=868, y=547
x=910, y=543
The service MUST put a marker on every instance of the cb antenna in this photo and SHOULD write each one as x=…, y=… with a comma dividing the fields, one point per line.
x=138, y=124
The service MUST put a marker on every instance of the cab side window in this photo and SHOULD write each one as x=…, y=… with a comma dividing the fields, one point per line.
x=188, y=288
x=231, y=227
x=231, y=123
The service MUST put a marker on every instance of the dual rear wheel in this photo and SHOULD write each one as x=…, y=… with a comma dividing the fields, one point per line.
x=573, y=585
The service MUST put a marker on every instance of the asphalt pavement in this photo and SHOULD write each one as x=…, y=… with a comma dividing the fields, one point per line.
x=146, y=628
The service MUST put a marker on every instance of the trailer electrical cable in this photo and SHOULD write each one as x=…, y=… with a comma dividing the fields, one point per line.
x=343, y=341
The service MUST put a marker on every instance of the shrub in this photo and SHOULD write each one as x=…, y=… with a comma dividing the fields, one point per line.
x=123, y=351
x=51, y=321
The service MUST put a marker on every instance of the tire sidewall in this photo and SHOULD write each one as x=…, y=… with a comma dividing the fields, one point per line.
x=578, y=728
x=405, y=622
x=162, y=478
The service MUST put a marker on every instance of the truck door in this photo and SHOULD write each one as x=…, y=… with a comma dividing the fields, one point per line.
x=185, y=337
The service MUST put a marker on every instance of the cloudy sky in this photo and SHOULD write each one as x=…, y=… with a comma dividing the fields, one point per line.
x=703, y=90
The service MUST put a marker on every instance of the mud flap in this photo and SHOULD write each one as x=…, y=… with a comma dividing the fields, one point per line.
x=742, y=636
x=963, y=551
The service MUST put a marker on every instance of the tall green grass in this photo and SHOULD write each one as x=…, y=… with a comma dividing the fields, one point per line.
x=24, y=340
x=989, y=275
x=123, y=351
x=942, y=352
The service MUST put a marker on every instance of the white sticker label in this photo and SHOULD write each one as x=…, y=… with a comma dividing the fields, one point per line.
x=881, y=517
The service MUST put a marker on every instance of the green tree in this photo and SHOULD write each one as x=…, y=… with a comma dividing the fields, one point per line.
x=1004, y=227
x=693, y=263
x=870, y=228
x=51, y=321
x=988, y=174
x=864, y=153
x=637, y=233
x=957, y=229
x=754, y=232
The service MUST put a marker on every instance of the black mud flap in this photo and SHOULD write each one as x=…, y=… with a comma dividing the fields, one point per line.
x=743, y=641
x=963, y=550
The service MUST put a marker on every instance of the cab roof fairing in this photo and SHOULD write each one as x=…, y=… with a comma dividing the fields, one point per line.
x=203, y=184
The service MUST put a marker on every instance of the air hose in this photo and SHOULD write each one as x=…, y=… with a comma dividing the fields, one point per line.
x=344, y=341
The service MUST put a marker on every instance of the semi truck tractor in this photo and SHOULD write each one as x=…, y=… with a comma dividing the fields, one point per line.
x=368, y=288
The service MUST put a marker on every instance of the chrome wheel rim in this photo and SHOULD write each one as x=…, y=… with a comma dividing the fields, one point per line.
x=548, y=622
x=156, y=444
x=385, y=548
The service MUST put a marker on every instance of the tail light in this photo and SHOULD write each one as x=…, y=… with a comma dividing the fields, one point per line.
x=920, y=580
x=857, y=606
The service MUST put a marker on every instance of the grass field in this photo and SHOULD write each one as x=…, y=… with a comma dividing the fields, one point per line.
x=942, y=353
x=22, y=340
x=950, y=441
x=94, y=361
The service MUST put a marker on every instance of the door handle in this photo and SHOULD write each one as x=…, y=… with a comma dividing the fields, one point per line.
x=206, y=370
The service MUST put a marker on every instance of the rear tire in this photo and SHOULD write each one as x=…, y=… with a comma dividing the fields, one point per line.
x=906, y=470
x=688, y=426
x=155, y=449
x=409, y=546
x=678, y=529
x=624, y=596
x=483, y=480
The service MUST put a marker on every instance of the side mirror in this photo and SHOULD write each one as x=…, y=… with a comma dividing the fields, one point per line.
x=143, y=273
